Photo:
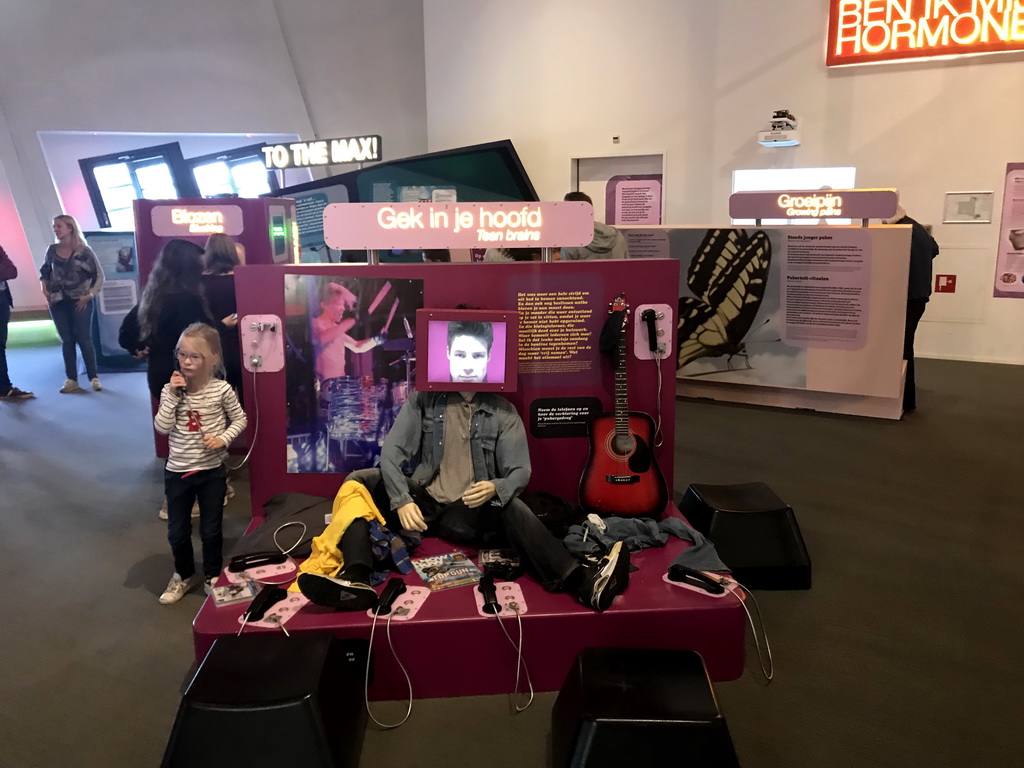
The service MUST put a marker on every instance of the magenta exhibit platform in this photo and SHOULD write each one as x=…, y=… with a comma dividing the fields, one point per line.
x=449, y=649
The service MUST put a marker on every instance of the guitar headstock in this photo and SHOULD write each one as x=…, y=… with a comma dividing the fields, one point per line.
x=619, y=304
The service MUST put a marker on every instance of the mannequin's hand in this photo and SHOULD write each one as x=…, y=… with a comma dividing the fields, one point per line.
x=479, y=493
x=411, y=517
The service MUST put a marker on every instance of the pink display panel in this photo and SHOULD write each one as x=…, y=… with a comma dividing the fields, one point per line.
x=467, y=350
x=382, y=226
x=562, y=378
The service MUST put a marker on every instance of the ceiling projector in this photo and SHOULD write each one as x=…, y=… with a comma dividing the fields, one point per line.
x=783, y=132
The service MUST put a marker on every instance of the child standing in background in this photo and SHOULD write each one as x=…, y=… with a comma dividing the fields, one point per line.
x=201, y=416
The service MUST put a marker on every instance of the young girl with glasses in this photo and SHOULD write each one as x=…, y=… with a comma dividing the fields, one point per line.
x=200, y=415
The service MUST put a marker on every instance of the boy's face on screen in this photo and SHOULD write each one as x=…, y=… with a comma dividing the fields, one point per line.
x=467, y=359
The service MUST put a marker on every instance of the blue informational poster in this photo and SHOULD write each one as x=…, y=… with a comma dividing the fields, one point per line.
x=117, y=256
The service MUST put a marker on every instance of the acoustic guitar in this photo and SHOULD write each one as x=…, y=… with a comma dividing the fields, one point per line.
x=622, y=476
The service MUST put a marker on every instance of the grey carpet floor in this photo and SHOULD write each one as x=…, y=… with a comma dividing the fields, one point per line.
x=905, y=653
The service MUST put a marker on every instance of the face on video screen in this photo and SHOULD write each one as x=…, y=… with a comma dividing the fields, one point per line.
x=466, y=352
x=467, y=359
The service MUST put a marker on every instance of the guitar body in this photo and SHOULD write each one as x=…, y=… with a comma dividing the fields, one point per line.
x=622, y=476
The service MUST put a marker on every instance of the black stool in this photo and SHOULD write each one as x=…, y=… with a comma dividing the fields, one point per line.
x=754, y=531
x=271, y=700
x=644, y=707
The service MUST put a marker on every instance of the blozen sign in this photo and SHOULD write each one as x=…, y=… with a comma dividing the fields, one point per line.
x=873, y=31
x=193, y=220
x=383, y=226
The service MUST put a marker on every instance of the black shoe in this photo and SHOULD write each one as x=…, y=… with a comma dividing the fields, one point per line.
x=14, y=394
x=606, y=579
x=339, y=594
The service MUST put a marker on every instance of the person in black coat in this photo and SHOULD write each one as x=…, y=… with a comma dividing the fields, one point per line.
x=219, y=262
x=923, y=249
x=8, y=271
x=171, y=302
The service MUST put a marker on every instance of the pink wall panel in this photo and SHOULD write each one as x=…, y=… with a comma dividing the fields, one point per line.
x=557, y=462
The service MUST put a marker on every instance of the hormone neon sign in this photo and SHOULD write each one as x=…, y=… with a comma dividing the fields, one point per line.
x=866, y=31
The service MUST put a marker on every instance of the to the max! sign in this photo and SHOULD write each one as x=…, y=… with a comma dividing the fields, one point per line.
x=869, y=31
x=303, y=154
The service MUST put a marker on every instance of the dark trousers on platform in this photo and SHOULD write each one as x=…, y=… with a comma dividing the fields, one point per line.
x=514, y=524
x=207, y=486
x=915, y=310
x=74, y=326
x=5, y=317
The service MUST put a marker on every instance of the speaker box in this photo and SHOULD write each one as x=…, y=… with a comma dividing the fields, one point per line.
x=643, y=707
x=272, y=700
x=754, y=531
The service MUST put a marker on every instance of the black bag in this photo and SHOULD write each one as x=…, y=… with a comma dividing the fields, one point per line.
x=128, y=334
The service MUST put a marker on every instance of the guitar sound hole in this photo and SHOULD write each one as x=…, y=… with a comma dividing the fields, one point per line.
x=623, y=445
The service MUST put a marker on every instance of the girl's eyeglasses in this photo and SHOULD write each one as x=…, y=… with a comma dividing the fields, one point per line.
x=192, y=357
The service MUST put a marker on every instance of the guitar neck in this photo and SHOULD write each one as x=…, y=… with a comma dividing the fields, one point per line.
x=621, y=397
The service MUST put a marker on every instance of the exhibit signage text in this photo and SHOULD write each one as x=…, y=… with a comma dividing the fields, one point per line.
x=198, y=222
x=306, y=154
x=186, y=220
x=457, y=225
x=815, y=204
x=867, y=31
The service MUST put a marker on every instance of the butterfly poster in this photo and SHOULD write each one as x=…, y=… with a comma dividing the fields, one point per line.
x=730, y=321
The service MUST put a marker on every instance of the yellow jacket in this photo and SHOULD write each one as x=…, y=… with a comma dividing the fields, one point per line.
x=352, y=503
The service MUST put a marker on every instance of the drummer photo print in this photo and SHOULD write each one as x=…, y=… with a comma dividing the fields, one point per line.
x=350, y=360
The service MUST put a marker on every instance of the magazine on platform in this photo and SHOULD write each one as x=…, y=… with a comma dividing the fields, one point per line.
x=235, y=593
x=499, y=557
x=452, y=569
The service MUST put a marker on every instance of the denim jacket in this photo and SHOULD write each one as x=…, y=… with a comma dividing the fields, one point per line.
x=497, y=444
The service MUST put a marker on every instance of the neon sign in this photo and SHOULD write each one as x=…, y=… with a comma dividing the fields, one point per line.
x=815, y=204
x=191, y=220
x=378, y=226
x=198, y=222
x=867, y=31
x=307, y=154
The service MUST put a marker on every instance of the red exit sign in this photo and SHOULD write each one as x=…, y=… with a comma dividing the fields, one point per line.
x=945, y=283
x=871, y=31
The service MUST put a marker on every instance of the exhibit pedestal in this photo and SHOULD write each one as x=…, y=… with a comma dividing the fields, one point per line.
x=450, y=649
x=801, y=399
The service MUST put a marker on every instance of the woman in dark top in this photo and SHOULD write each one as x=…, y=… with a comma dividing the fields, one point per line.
x=219, y=262
x=71, y=278
x=171, y=301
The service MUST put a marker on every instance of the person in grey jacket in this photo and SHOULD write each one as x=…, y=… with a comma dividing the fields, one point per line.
x=608, y=242
x=468, y=458
x=71, y=278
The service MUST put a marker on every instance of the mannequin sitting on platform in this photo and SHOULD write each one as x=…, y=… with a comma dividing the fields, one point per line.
x=472, y=465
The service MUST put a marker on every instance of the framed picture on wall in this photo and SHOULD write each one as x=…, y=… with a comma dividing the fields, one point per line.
x=968, y=208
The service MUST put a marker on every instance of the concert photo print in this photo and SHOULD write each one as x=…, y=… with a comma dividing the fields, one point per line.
x=350, y=362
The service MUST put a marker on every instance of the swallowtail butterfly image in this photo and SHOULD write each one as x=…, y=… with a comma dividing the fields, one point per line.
x=728, y=274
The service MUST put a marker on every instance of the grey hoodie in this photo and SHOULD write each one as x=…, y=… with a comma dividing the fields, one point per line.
x=608, y=243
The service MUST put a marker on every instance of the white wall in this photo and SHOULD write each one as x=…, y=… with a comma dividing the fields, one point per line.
x=697, y=80
x=192, y=66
